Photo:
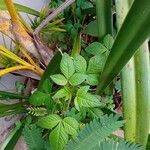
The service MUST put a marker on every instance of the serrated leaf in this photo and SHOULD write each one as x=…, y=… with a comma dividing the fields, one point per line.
x=96, y=64
x=80, y=64
x=39, y=98
x=71, y=125
x=92, y=29
x=58, y=137
x=67, y=66
x=86, y=100
x=83, y=90
x=59, y=79
x=96, y=48
x=64, y=92
x=108, y=41
x=92, y=79
x=49, y=121
x=77, y=79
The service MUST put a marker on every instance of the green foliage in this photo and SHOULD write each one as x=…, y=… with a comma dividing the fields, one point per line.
x=67, y=66
x=121, y=145
x=59, y=79
x=61, y=129
x=33, y=137
x=124, y=46
x=13, y=137
x=39, y=98
x=95, y=132
x=85, y=99
x=148, y=143
x=9, y=95
x=92, y=29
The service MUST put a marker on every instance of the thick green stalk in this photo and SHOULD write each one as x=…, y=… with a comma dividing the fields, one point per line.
x=105, y=26
x=104, y=17
x=142, y=70
x=127, y=80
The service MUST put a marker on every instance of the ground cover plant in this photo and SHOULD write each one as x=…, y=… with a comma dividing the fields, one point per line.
x=86, y=69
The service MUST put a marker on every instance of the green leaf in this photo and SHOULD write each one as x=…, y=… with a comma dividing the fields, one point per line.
x=52, y=68
x=59, y=79
x=148, y=143
x=121, y=145
x=39, y=98
x=20, y=8
x=7, y=95
x=95, y=132
x=33, y=137
x=46, y=87
x=92, y=29
x=67, y=66
x=71, y=125
x=86, y=100
x=77, y=79
x=80, y=64
x=12, y=138
x=62, y=93
x=86, y=5
x=124, y=47
x=58, y=137
x=49, y=121
x=96, y=64
x=108, y=41
x=83, y=90
x=92, y=79
x=96, y=48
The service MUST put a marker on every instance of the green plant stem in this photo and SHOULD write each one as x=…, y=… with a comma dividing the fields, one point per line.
x=104, y=21
x=104, y=17
x=142, y=74
x=127, y=80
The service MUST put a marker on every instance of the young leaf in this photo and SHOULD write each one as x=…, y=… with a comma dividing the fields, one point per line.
x=58, y=137
x=67, y=66
x=86, y=100
x=96, y=64
x=92, y=29
x=108, y=41
x=77, y=79
x=49, y=121
x=59, y=79
x=96, y=48
x=92, y=79
x=80, y=64
x=39, y=98
x=64, y=92
x=70, y=125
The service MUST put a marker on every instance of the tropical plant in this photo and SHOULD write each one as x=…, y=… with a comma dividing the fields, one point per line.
x=74, y=51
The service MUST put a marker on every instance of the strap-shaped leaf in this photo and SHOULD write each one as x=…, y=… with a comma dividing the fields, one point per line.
x=21, y=8
x=134, y=31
